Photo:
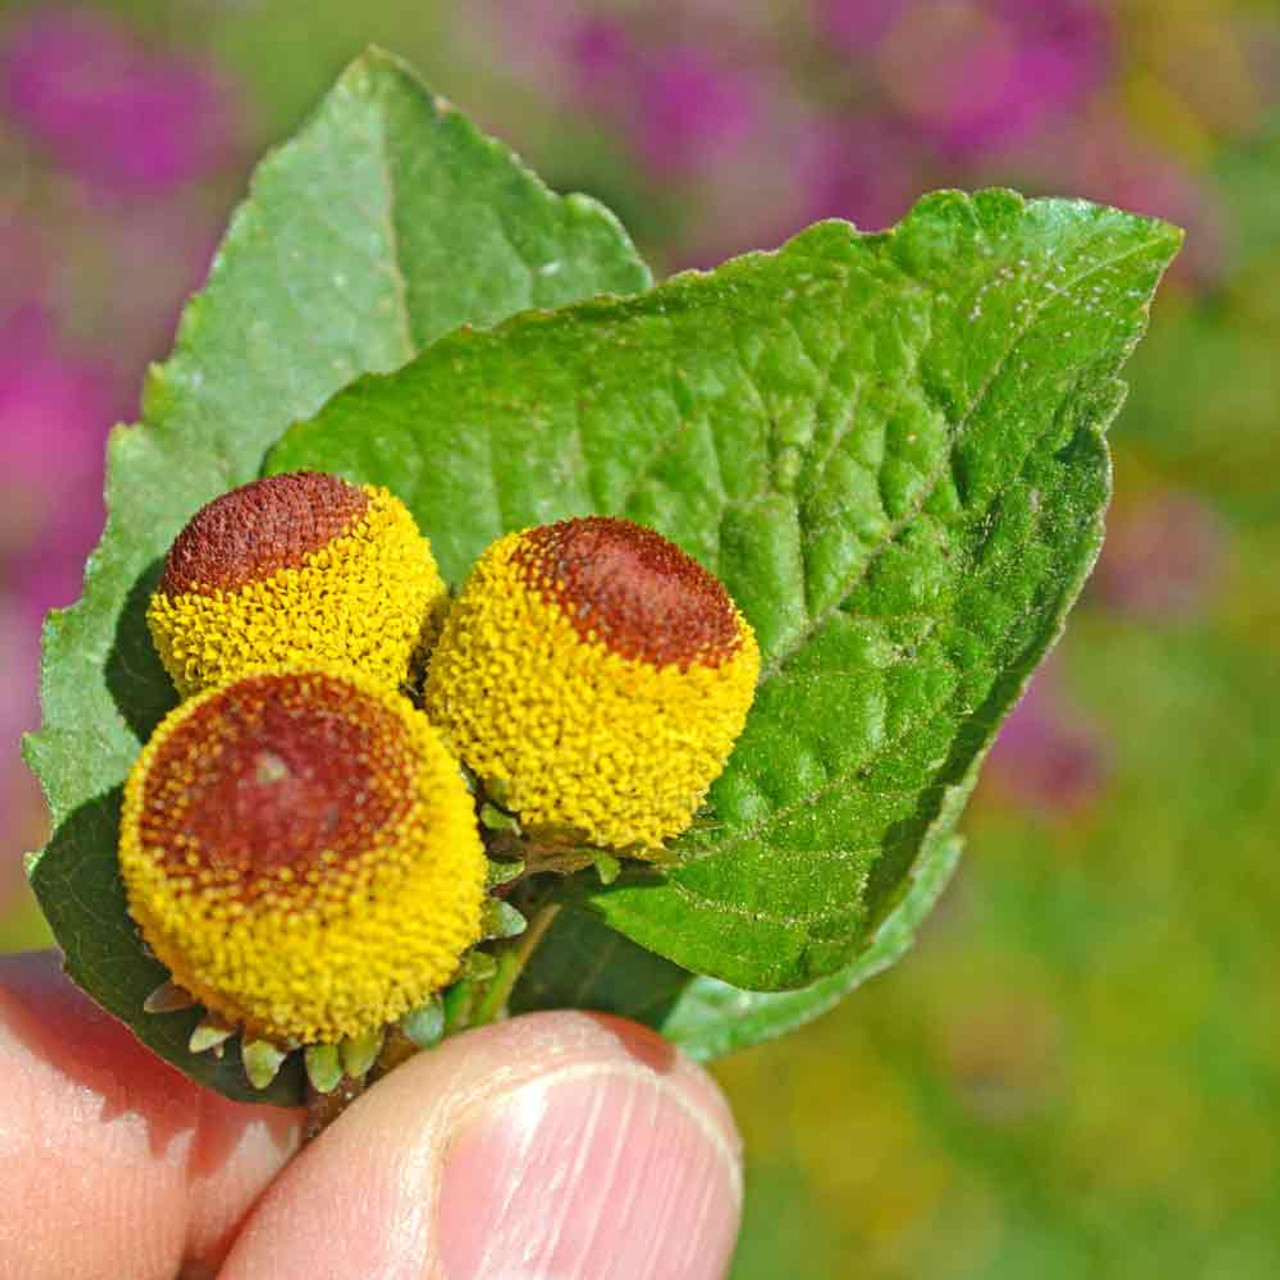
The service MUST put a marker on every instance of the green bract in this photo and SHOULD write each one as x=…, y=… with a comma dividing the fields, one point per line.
x=890, y=449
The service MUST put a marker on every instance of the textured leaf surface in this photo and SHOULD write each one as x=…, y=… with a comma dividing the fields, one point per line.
x=889, y=447
x=583, y=964
x=386, y=222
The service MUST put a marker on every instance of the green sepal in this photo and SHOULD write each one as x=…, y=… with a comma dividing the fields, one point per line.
x=499, y=919
x=211, y=1032
x=359, y=1052
x=324, y=1066
x=496, y=819
x=501, y=872
x=262, y=1061
x=608, y=868
x=168, y=997
x=480, y=966
x=425, y=1024
x=498, y=791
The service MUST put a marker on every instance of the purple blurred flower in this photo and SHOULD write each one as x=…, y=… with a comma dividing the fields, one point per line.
x=20, y=801
x=155, y=256
x=117, y=116
x=19, y=709
x=27, y=256
x=686, y=110
x=602, y=56
x=851, y=170
x=54, y=411
x=976, y=79
x=1047, y=757
x=1162, y=558
x=680, y=107
x=54, y=415
x=857, y=26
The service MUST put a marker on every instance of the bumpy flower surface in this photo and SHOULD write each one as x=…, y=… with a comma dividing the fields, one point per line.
x=597, y=672
x=300, y=850
x=294, y=570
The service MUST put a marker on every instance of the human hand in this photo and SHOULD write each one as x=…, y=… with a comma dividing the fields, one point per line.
x=556, y=1146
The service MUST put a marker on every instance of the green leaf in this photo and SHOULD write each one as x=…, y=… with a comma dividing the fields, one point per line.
x=714, y=1018
x=583, y=964
x=889, y=447
x=386, y=222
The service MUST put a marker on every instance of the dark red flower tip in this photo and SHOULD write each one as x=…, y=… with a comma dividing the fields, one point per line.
x=250, y=533
x=278, y=770
x=632, y=590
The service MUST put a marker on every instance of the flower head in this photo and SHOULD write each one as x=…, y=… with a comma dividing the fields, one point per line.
x=294, y=570
x=300, y=850
x=599, y=674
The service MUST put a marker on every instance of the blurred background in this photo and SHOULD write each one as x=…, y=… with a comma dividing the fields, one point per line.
x=1077, y=1073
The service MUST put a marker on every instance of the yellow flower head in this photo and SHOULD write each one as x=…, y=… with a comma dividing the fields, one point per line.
x=299, y=848
x=295, y=570
x=599, y=674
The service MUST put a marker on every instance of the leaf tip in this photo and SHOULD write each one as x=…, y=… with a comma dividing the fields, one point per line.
x=374, y=60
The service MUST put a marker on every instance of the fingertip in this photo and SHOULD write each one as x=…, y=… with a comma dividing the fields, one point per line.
x=564, y=1144
x=559, y=1144
x=118, y=1163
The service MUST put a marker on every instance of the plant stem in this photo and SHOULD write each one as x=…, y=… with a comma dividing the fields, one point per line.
x=396, y=1048
x=324, y=1108
x=511, y=962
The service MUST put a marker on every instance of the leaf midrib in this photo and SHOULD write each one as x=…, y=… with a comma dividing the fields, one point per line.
x=395, y=266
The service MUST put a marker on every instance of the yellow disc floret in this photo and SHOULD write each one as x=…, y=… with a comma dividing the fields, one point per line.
x=295, y=570
x=299, y=848
x=598, y=674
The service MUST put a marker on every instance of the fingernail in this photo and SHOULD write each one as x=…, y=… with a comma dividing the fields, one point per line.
x=606, y=1172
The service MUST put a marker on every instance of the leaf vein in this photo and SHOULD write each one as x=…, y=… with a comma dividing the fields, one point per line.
x=957, y=433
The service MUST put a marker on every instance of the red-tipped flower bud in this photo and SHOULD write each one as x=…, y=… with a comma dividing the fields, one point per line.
x=296, y=570
x=300, y=850
x=599, y=674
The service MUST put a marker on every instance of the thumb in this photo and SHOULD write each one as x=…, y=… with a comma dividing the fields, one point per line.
x=557, y=1146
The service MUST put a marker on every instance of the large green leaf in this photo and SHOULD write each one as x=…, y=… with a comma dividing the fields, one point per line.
x=889, y=447
x=583, y=964
x=386, y=222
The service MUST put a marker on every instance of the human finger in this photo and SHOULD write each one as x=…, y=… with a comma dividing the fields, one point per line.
x=114, y=1163
x=558, y=1145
